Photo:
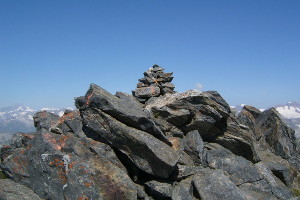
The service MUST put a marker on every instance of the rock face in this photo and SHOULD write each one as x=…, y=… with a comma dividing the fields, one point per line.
x=157, y=144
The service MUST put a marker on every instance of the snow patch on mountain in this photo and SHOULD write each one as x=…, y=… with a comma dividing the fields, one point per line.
x=289, y=110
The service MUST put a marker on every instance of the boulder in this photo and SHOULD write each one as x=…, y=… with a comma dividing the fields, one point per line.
x=214, y=185
x=183, y=190
x=239, y=139
x=237, y=168
x=148, y=153
x=158, y=189
x=125, y=110
x=193, y=146
x=66, y=167
x=45, y=120
x=276, y=187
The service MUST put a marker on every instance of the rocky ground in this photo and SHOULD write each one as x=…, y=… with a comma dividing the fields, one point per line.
x=173, y=146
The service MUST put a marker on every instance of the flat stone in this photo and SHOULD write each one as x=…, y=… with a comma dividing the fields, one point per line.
x=147, y=92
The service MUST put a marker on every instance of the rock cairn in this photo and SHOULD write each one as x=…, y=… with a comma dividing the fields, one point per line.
x=154, y=84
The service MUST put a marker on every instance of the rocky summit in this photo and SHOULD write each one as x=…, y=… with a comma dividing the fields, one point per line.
x=154, y=144
x=154, y=83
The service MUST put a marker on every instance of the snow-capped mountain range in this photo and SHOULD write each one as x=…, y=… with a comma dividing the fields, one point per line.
x=290, y=112
x=19, y=118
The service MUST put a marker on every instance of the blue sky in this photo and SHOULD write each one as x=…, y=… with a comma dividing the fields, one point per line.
x=50, y=51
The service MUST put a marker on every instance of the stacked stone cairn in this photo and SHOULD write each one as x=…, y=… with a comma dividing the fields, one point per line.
x=155, y=83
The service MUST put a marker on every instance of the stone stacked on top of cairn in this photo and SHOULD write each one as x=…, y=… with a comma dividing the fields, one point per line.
x=154, y=84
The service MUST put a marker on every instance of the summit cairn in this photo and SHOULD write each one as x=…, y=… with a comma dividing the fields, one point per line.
x=154, y=84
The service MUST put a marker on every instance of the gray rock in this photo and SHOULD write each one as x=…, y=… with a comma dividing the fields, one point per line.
x=148, y=153
x=238, y=169
x=176, y=117
x=278, y=135
x=253, y=111
x=193, y=145
x=64, y=167
x=280, y=168
x=183, y=190
x=147, y=92
x=141, y=194
x=214, y=185
x=123, y=109
x=21, y=140
x=10, y=190
x=254, y=191
x=168, y=85
x=248, y=117
x=159, y=189
x=239, y=139
x=44, y=120
x=277, y=187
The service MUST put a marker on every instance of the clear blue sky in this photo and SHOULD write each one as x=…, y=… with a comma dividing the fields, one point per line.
x=51, y=50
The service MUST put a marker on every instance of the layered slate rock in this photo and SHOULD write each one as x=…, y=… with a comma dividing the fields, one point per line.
x=160, y=145
x=154, y=84
x=122, y=107
x=148, y=153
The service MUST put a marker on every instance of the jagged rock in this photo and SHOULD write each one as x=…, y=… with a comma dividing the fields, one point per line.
x=278, y=189
x=158, y=189
x=238, y=139
x=21, y=139
x=10, y=190
x=281, y=168
x=248, y=117
x=71, y=122
x=278, y=135
x=252, y=179
x=193, y=145
x=214, y=185
x=45, y=120
x=148, y=153
x=122, y=109
x=252, y=110
x=65, y=167
x=208, y=112
x=239, y=146
x=237, y=168
x=176, y=117
x=183, y=190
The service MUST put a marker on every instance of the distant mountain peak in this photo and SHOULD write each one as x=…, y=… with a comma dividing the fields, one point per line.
x=19, y=118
